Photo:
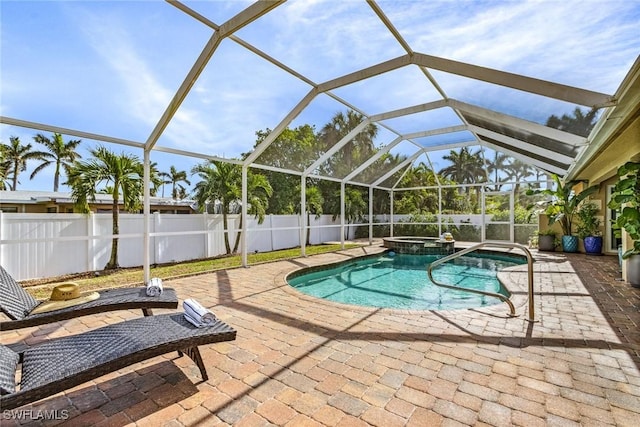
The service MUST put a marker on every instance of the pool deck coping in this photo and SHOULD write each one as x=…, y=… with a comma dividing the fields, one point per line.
x=299, y=361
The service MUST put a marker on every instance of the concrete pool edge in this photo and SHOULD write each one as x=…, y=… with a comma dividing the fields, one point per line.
x=519, y=296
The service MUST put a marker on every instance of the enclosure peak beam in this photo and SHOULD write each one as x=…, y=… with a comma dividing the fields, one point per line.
x=239, y=41
x=527, y=159
x=365, y=73
x=405, y=163
x=387, y=23
x=242, y=19
x=516, y=81
x=330, y=152
x=433, y=132
x=451, y=146
x=434, y=105
x=518, y=144
x=304, y=102
x=66, y=131
x=384, y=150
x=518, y=123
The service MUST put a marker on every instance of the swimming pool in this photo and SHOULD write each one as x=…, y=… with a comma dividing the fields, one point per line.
x=401, y=281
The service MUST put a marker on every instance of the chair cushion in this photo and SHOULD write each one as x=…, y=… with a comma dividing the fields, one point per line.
x=15, y=302
x=8, y=363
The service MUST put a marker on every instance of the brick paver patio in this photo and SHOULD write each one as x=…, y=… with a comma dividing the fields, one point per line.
x=298, y=361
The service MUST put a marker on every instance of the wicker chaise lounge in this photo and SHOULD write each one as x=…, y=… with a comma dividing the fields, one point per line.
x=18, y=304
x=60, y=364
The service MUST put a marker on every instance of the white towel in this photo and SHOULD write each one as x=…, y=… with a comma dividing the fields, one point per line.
x=154, y=287
x=197, y=314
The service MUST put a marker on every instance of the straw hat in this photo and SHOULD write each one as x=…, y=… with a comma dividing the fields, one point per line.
x=63, y=296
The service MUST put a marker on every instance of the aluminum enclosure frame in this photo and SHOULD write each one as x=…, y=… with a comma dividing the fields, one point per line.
x=543, y=157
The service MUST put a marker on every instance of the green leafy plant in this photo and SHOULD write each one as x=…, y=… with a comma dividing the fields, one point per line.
x=589, y=222
x=563, y=203
x=626, y=199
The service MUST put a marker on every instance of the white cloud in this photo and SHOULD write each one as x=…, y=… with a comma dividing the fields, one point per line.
x=140, y=92
x=553, y=40
x=324, y=40
x=139, y=60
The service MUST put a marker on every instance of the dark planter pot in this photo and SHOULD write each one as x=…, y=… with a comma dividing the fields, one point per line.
x=593, y=245
x=570, y=243
x=633, y=270
x=546, y=243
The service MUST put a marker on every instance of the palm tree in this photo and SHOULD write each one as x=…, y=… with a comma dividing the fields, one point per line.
x=182, y=193
x=421, y=200
x=218, y=182
x=175, y=177
x=4, y=168
x=314, y=202
x=355, y=206
x=419, y=176
x=517, y=171
x=580, y=124
x=293, y=149
x=258, y=192
x=356, y=151
x=384, y=164
x=221, y=181
x=494, y=166
x=465, y=168
x=16, y=156
x=155, y=180
x=121, y=173
x=61, y=154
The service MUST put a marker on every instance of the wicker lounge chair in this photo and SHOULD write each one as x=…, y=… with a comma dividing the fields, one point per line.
x=17, y=304
x=63, y=363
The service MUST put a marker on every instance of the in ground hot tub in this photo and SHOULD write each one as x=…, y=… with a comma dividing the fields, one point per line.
x=419, y=245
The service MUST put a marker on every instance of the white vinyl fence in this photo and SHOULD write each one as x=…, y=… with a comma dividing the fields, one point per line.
x=45, y=245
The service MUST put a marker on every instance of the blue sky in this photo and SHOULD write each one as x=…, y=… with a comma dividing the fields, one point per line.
x=112, y=67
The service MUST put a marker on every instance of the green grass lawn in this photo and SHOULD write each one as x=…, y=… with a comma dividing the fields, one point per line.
x=135, y=276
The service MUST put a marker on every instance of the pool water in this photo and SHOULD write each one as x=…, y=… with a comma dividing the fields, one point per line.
x=401, y=282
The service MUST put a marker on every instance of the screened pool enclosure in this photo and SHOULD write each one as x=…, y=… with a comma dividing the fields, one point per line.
x=410, y=125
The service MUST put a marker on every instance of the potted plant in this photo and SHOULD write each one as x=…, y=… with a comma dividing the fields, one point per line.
x=589, y=229
x=547, y=240
x=562, y=207
x=626, y=199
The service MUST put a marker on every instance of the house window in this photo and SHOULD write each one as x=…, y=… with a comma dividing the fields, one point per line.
x=10, y=209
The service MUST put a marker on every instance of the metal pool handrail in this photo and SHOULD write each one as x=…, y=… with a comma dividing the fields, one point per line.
x=492, y=294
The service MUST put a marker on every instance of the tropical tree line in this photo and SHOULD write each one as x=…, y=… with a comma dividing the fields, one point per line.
x=63, y=156
x=219, y=185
